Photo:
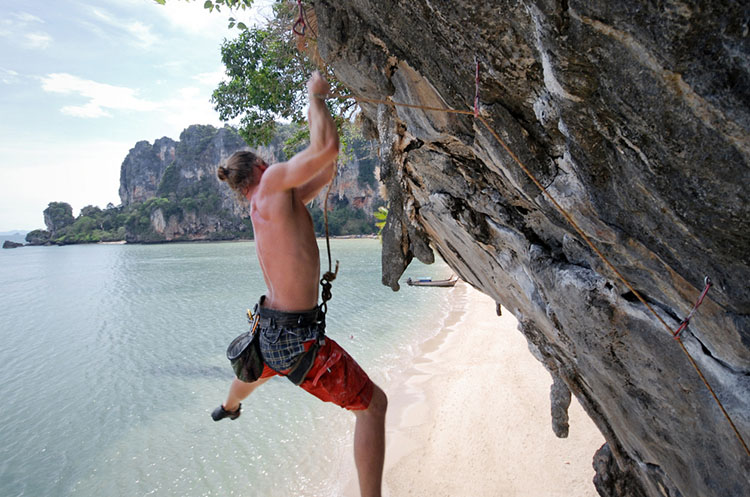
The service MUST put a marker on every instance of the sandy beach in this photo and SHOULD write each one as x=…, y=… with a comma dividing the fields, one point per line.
x=471, y=416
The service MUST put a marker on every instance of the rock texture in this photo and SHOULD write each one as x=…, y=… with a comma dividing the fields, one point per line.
x=176, y=166
x=635, y=117
x=348, y=189
x=143, y=168
x=178, y=170
x=38, y=237
x=58, y=215
x=186, y=169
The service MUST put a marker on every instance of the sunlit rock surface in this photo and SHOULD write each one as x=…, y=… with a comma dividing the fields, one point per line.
x=635, y=116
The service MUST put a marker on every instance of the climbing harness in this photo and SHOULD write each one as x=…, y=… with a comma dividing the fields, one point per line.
x=287, y=357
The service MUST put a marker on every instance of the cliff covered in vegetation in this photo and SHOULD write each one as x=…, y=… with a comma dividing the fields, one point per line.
x=170, y=192
x=635, y=118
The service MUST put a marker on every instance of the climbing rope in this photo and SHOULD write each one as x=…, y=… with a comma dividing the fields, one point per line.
x=568, y=217
x=302, y=23
x=329, y=275
x=299, y=28
x=299, y=25
x=476, y=88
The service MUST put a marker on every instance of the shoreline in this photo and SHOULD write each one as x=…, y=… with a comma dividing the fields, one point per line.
x=471, y=416
x=162, y=242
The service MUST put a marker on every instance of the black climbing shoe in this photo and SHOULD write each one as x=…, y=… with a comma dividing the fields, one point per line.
x=221, y=413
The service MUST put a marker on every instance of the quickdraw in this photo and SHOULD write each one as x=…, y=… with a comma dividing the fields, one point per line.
x=300, y=22
x=686, y=321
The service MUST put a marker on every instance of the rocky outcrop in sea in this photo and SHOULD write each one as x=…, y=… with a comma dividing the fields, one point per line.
x=635, y=118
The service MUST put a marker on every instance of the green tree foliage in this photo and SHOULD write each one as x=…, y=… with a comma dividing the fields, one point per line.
x=84, y=224
x=343, y=220
x=38, y=237
x=58, y=215
x=194, y=141
x=380, y=217
x=218, y=4
x=92, y=225
x=267, y=79
x=169, y=181
x=259, y=90
x=91, y=211
x=267, y=76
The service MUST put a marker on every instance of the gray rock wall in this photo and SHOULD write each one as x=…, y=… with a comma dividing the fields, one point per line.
x=143, y=168
x=197, y=155
x=634, y=116
x=187, y=168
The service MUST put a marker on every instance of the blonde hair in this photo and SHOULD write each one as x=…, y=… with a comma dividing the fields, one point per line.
x=239, y=172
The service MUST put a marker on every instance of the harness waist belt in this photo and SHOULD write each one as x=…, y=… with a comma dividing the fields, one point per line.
x=285, y=319
x=283, y=336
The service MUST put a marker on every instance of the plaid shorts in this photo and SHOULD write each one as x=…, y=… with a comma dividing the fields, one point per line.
x=334, y=376
x=282, y=345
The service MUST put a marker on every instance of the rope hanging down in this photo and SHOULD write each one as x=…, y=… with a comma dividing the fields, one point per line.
x=302, y=24
x=329, y=275
x=568, y=217
x=299, y=28
x=476, y=88
x=299, y=25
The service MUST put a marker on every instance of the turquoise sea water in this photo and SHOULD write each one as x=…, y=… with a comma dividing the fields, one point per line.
x=112, y=359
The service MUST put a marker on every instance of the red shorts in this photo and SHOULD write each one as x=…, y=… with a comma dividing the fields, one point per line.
x=335, y=377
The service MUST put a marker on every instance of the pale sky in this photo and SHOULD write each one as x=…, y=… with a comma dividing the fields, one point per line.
x=81, y=81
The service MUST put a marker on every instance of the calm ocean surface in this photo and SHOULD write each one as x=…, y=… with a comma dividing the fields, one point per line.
x=112, y=359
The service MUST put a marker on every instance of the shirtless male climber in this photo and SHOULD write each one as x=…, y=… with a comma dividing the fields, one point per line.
x=289, y=318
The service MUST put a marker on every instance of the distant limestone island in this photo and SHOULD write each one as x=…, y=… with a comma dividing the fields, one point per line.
x=169, y=192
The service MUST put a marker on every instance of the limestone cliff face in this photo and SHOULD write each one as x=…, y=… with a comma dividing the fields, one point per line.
x=143, y=168
x=635, y=117
x=170, y=166
x=348, y=188
x=183, y=174
x=180, y=171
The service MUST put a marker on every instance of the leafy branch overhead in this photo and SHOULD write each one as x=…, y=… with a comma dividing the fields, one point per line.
x=210, y=5
x=218, y=4
x=381, y=215
x=267, y=73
